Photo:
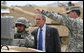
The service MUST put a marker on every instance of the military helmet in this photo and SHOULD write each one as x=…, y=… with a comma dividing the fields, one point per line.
x=22, y=21
x=73, y=8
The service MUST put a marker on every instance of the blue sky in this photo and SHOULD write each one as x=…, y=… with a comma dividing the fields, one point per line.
x=22, y=3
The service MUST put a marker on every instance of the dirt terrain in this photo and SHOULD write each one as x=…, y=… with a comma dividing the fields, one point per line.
x=63, y=31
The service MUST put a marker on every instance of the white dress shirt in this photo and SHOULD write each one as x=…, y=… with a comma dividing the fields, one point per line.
x=43, y=35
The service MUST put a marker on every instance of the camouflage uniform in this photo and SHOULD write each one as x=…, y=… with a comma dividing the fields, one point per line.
x=75, y=27
x=28, y=39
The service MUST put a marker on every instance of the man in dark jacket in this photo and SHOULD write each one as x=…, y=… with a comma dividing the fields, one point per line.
x=46, y=38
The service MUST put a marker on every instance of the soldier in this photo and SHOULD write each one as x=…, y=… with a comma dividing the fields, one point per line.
x=73, y=22
x=22, y=24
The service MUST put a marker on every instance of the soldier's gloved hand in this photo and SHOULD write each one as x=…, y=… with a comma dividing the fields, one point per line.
x=38, y=11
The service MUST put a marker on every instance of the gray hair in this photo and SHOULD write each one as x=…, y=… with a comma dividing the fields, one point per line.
x=43, y=16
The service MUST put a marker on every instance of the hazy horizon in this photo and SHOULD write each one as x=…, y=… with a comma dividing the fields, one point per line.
x=38, y=3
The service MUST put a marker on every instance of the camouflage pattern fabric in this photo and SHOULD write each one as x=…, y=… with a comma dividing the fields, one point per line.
x=75, y=27
x=29, y=39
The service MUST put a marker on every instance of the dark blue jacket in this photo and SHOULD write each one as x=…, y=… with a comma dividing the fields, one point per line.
x=52, y=42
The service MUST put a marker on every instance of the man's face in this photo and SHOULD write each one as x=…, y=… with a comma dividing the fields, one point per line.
x=20, y=27
x=39, y=21
x=72, y=14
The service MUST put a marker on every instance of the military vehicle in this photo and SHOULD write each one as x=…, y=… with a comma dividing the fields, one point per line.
x=7, y=28
x=7, y=32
